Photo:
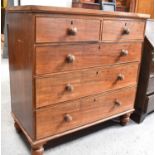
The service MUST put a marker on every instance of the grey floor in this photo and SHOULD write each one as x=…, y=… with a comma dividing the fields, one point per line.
x=108, y=138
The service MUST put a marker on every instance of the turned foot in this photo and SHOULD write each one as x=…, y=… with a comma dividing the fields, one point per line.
x=18, y=129
x=125, y=119
x=39, y=150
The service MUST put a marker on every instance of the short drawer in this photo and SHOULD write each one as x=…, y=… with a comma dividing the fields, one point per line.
x=149, y=103
x=150, y=88
x=69, y=115
x=61, y=87
x=152, y=62
x=56, y=58
x=122, y=30
x=50, y=29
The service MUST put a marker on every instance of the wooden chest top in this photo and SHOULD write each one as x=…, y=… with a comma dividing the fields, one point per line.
x=74, y=11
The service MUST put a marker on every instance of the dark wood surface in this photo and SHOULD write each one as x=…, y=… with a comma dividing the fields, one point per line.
x=21, y=31
x=41, y=38
x=2, y=20
x=144, y=103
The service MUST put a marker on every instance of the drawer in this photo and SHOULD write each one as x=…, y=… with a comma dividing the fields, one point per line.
x=150, y=88
x=50, y=29
x=152, y=63
x=122, y=30
x=149, y=103
x=70, y=115
x=72, y=85
x=59, y=58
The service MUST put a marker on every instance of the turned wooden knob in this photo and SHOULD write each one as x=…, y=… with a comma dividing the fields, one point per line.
x=124, y=52
x=70, y=58
x=72, y=31
x=126, y=30
x=120, y=77
x=68, y=118
x=69, y=87
x=118, y=103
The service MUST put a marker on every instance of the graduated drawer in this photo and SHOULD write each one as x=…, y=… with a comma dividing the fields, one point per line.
x=59, y=58
x=123, y=30
x=70, y=115
x=149, y=102
x=72, y=85
x=54, y=29
x=150, y=87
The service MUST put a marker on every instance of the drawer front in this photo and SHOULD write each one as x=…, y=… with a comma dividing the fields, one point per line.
x=50, y=29
x=69, y=115
x=152, y=63
x=71, y=57
x=73, y=85
x=121, y=30
x=150, y=103
x=150, y=88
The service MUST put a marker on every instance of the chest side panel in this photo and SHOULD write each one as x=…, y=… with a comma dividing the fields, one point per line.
x=20, y=44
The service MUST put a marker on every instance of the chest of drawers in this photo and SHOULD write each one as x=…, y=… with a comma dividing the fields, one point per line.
x=71, y=69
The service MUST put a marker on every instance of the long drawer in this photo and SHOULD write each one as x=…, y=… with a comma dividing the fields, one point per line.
x=59, y=58
x=123, y=30
x=72, y=85
x=50, y=29
x=69, y=115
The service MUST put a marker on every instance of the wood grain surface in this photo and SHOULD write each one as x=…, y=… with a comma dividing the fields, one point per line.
x=50, y=29
x=74, y=11
x=51, y=59
x=52, y=89
x=21, y=68
x=52, y=121
x=113, y=30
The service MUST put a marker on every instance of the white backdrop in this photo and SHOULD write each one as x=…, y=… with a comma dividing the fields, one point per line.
x=61, y=3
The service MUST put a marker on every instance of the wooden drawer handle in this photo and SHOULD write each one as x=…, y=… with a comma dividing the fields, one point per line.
x=118, y=103
x=72, y=31
x=120, y=77
x=69, y=87
x=126, y=31
x=68, y=118
x=70, y=58
x=124, y=52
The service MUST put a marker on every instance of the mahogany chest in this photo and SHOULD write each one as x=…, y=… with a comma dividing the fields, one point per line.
x=71, y=69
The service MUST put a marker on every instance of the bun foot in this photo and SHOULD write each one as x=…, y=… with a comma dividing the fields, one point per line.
x=37, y=150
x=124, y=119
x=18, y=129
